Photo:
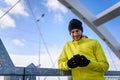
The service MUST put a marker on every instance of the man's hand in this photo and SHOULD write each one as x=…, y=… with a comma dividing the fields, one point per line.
x=71, y=63
x=81, y=61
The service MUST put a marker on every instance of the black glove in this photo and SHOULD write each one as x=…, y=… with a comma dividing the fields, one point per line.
x=71, y=63
x=81, y=61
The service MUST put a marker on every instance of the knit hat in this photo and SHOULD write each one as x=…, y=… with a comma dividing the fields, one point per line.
x=75, y=24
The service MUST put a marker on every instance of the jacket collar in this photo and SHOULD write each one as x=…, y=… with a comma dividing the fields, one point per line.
x=79, y=41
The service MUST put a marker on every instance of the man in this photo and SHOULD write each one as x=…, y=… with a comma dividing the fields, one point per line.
x=83, y=56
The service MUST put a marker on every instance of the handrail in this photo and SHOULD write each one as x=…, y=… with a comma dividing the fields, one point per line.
x=20, y=71
x=23, y=71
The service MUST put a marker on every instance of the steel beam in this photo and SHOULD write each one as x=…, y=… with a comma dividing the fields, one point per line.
x=86, y=16
x=108, y=14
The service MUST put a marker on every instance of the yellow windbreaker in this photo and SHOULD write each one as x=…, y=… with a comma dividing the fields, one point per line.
x=93, y=51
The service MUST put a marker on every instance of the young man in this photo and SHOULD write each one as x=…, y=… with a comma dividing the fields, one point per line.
x=83, y=56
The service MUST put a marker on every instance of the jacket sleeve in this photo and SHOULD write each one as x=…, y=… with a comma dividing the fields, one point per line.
x=62, y=61
x=101, y=64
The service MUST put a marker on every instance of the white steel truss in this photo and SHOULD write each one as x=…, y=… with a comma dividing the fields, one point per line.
x=96, y=22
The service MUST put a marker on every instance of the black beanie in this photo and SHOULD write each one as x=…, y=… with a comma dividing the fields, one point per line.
x=75, y=24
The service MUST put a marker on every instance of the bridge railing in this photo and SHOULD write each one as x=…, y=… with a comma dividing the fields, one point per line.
x=23, y=71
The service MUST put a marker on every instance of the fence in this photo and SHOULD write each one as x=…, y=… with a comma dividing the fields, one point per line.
x=25, y=72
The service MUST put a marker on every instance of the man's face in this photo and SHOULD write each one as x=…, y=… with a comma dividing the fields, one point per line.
x=76, y=34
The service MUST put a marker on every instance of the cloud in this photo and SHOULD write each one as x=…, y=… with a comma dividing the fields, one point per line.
x=28, y=59
x=57, y=8
x=6, y=21
x=58, y=18
x=19, y=9
x=18, y=42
